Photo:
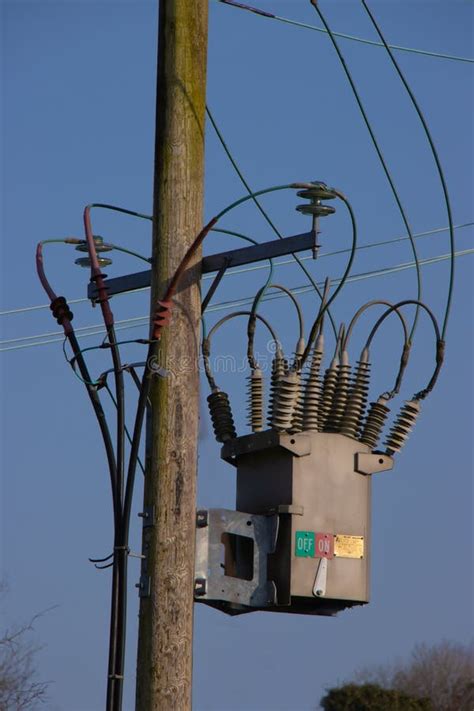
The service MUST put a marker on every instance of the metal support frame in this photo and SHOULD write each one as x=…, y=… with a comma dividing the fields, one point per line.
x=214, y=583
x=214, y=263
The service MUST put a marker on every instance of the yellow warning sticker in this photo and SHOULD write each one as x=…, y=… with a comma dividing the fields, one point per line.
x=348, y=546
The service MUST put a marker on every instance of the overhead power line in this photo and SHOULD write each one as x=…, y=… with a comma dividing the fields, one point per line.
x=138, y=321
x=437, y=161
x=257, y=267
x=342, y=35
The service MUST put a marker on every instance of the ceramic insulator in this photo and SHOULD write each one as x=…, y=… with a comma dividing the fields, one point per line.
x=403, y=425
x=327, y=395
x=297, y=420
x=357, y=401
x=255, y=400
x=285, y=402
x=341, y=394
x=279, y=369
x=221, y=416
x=312, y=393
x=375, y=420
x=315, y=194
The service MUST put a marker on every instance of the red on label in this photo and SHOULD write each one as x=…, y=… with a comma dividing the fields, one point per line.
x=324, y=545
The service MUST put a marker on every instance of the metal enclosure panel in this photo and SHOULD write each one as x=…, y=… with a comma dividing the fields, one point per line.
x=336, y=500
x=330, y=497
x=214, y=582
x=264, y=480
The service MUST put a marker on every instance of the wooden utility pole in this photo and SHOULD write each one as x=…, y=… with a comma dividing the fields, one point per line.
x=164, y=671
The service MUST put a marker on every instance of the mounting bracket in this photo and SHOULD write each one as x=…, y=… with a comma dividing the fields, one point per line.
x=214, y=263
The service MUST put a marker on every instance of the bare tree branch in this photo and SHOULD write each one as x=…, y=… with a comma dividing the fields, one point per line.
x=444, y=673
x=20, y=690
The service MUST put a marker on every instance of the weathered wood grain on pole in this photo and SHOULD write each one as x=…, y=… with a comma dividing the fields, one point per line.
x=164, y=670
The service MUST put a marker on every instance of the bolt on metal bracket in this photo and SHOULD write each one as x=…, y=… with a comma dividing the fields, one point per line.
x=202, y=518
x=298, y=444
x=144, y=586
x=148, y=516
x=372, y=463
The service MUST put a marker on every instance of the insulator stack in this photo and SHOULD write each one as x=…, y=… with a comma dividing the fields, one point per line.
x=255, y=401
x=279, y=369
x=297, y=420
x=375, y=420
x=221, y=416
x=341, y=394
x=327, y=395
x=100, y=246
x=357, y=401
x=312, y=393
x=285, y=402
x=316, y=193
x=403, y=425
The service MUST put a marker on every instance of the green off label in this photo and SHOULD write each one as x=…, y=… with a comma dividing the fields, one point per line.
x=304, y=544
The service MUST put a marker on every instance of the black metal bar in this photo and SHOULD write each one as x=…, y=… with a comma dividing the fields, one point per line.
x=213, y=287
x=215, y=262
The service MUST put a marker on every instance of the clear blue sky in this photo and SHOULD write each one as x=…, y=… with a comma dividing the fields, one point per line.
x=78, y=126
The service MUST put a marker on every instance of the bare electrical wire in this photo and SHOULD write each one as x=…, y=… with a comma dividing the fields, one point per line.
x=260, y=208
x=139, y=321
x=380, y=156
x=342, y=35
x=206, y=344
x=436, y=159
x=281, y=263
x=440, y=344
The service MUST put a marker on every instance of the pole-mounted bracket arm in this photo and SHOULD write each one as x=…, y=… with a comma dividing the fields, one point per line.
x=213, y=263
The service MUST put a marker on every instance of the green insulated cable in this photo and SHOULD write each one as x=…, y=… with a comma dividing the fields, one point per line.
x=123, y=210
x=426, y=233
x=57, y=336
x=343, y=35
x=381, y=158
x=253, y=196
x=247, y=239
x=436, y=159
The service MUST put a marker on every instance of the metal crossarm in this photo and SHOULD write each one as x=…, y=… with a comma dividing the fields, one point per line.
x=215, y=262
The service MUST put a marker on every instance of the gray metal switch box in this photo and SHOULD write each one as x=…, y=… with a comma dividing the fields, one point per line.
x=318, y=485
